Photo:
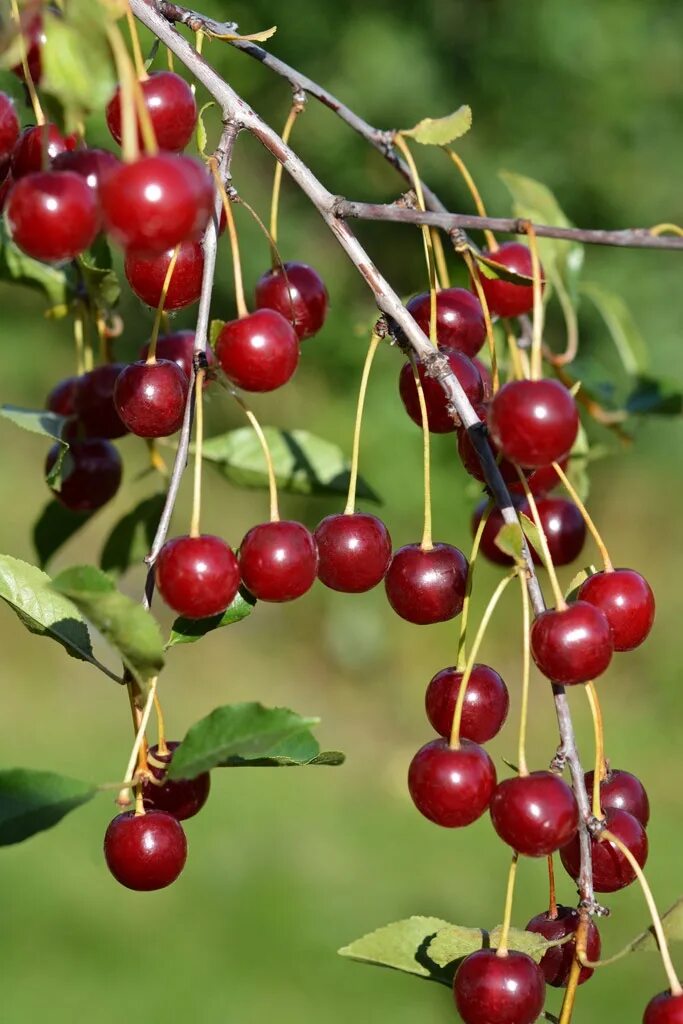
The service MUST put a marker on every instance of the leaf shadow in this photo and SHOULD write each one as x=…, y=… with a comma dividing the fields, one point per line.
x=337, y=484
x=443, y=973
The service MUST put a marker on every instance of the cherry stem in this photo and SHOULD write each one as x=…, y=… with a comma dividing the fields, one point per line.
x=271, y=241
x=296, y=109
x=135, y=42
x=471, y=265
x=467, y=600
x=598, y=729
x=126, y=74
x=265, y=447
x=234, y=243
x=158, y=317
x=571, y=322
x=574, y=974
x=171, y=67
x=427, y=544
x=491, y=242
x=522, y=766
x=156, y=459
x=560, y=602
x=573, y=494
x=507, y=917
x=552, y=892
x=79, y=342
x=666, y=229
x=440, y=257
x=28, y=77
x=124, y=795
x=162, y=747
x=404, y=148
x=198, y=445
x=353, y=474
x=537, y=334
x=516, y=355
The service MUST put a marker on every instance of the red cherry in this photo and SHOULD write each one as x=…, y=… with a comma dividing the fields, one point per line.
x=91, y=164
x=171, y=106
x=622, y=791
x=557, y=961
x=494, y=524
x=460, y=320
x=183, y=798
x=95, y=475
x=35, y=38
x=179, y=348
x=9, y=126
x=52, y=216
x=354, y=552
x=197, y=576
x=564, y=529
x=470, y=459
x=146, y=274
x=278, y=560
x=451, y=786
x=628, y=602
x=540, y=481
x=150, y=397
x=611, y=870
x=573, y=645
x=535, y=814
x=439, y=418
x=486, y=378
x=94, y=402
x=664, y=1009
x=5, y=188
x=37, y=147
x=486, y=703
x=533, y=422
x=61, y=398
x=258, y=352
x=491, y=989
x=504, y=297
x=299, y=295
x=425, y=586
x=156, y=202
x=145, y=851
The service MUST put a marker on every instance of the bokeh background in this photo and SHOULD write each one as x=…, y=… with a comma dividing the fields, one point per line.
x=285, y=867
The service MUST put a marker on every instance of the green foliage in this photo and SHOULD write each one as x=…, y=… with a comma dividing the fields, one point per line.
x=672, y=923
x=131, y=538
x=46, y=424
x=100, y=280
x=621, y=328
x=188, y=631
x=510, y=541
x=32, y=801
x=442, y=130
x=53, y=528
x=18, y=268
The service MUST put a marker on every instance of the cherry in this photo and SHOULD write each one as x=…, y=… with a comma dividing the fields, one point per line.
x=557, y=961
x=504, y=297
x=278, y=560
x=197, y=576
x=52, y=215
x=183, y=798
x=146, y=274
x=486, y=703
x=628, y=602
x=541, y=480
x=564, y=528
x=156, y=202
x=533, y=422
x=611, y=869
x=470, y=459
x=150, y=397
x=35, y=38
x=179, y=348
x=354, y=552
x=171, y=106
x=494, y=524
x=145, y=851
x=492, y=989
x=91, y=164
x=664, y=1009
x=427, y=585
x=37, y=147
x=94, y=402
x=460, y=320
x=258, y=352
x=61, y=398
x=451, y=786
x=622, y=791
x=95, y=475
x=298, y=293
x=9, y=126
x=438, y=416
x=486, y=378
x=573, y=645
x=5, y=189
x=535, y=814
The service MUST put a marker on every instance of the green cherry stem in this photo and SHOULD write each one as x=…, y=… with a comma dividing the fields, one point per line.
x=198, y=446
x=595, y=533
x=158, y=316
x=598, y=729
x=526, y=673
x=404, y=149
x=471, y=265
x=296, y=108
x=427, y=544
x=240, y=299
x=464, y=617
x=355, y=454
x=537, y=329
x=124, y=796
x=28, y=77
x=507, y=916
x=491, y=242
x=265, y=448
x=560, y=602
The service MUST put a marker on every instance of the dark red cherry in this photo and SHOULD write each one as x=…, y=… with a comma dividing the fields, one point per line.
x=179, y=348
x=35, y=38
x=183, y=798
x=557, y=961
x=438, y=416
x=486, y=703
x=5, y=188
x=460, y=320
x=197, y=576
x=171, y=106
x=573, y=645
x=278, y=560
x=61, y=398
x=425, y=586
x=504, y=297
x=533, y=422
x=9, y=126
x=486, y=378
x=540, y=481
x=91, y=164
x=622, y=791
x=150, y=397
x=494, y=524
x=146, y=274
x=564, y=528
x=157, y=202
x=535, y=814
x=94, y=402
x=52, y=215
x=664, y=1009
x=353, y=552
x=37, y=148
x=611, y=870
x=258, y=352
x=451, y=786
x=145, y=851
x=470, y=459
x=491, y=989
x=94, y=476
x=628, y=602
x=298, y=294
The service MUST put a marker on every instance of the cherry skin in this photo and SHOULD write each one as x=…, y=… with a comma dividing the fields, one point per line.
x=61, y=398
x=179, y=348
x=628, y=602
x=95, y=475
x=486, y=378
x=145, y=851
x=9, y=126
x=425, y=586
x=278, y=560
x=573, y=645
x=52, y=216
x=183, y=798
x=258, y=352
x=171, y=106
x=197, y=576
x=486, y=703
x=35, y=39
x=564, y=528
x=354, y=552
x=491, y=989
x=460, y=320
x=540, y=481
x=470, y=459
x=452, y=787
x=557, y=961
x=487, y=543
x=438, y=416
x=664, y=1009
x=533, y=422
x=300, y=296
x=150, y=397
x=146, y=274
x=94, y=402
x=535, y=814
x=36, y=144
x=611, y=870
x=622, y=791
x=504, y=297
x=91, y=164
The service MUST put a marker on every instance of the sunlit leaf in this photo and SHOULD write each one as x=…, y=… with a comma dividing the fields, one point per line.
x=440, y=131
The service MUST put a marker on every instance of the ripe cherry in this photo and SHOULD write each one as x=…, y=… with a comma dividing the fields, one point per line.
x=557, y=961
x=451, y=786
x=150, y=397
x=664, y=1009
x=427, y=585
x=564, y=529
x=52, y=215
x=622, y=791
x=171, y=106
x=460, y=320
x=438, y=416
x=94, y=402
x=91, y=164
x=183, y=798
x=298, y=294
x=197, y=576
x=94, y=477
x=504, y=297
x=145, y=851
x=179, y=348
x=354, y=552
x=278, y=560
x=611, y=870
x=492, y=989
x=35, y=39
x=37, y=147
x=470, y=459
x=61, y=398
x=535, y=814
x=9, y=126
x=494, y=524
x=486, y=703
x=628, y=602
x=541, y=480
x=572, y=645
x=258, y=352
x=146, y=274
x=486, y=378
x=533, y=422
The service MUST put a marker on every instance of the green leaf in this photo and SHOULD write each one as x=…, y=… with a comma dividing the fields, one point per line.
x=45, y=424
x=453, y=942
x=99, y=278
x=495, y=271
x=188, y=631
x=131, y=538
x=132, y=631
x=55, y=525
x=32, y=801
x=577, y=467
x=442, y=130
x=401, y=946
x=215, y=329
x=581, y=577
x=509, y=539
x=654, y=397
x=13, y=86
x=672, y=922
x=18, y=268
x=621, y=326
x=303, y=463
x=532, y=534
x=329, y=758
x=202, y=137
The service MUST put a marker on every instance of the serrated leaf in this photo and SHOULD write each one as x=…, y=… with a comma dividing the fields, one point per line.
x=53, y=528
x=654, y=397
x=215, y=328
x=45, y=424
x=202, y=137
x=581, y=577
x=400, y=946
x=188, y=631
x=18, y=268
x=439, y=131
x=32, y=801
x=510, y=541
x=80, y=75
x=621, y=326
x=131, y=538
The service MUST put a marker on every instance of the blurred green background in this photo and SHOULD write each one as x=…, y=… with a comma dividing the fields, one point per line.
x=285, y=867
